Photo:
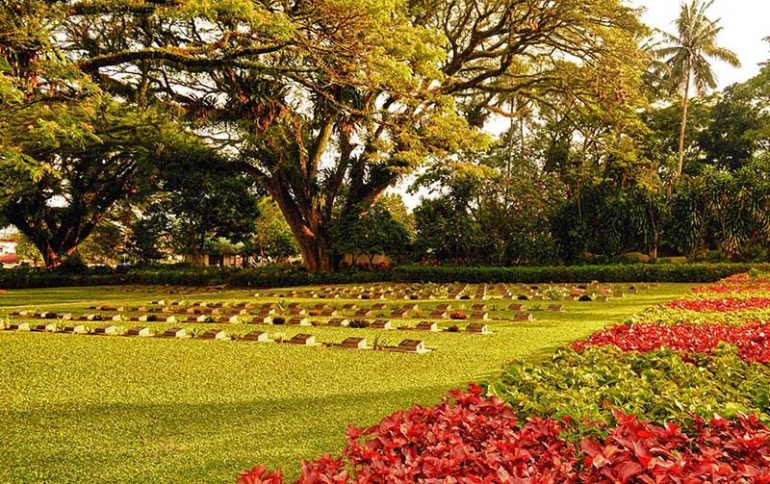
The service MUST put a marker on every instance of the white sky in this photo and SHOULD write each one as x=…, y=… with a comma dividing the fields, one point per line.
x=744, y=25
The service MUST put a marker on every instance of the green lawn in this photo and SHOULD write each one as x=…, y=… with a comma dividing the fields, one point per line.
x=76, y=408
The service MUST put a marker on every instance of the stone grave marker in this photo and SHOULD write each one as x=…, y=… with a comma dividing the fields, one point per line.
x=338, y=322
x=258, y=336
x=523, y=316
x=19, y=327
x=438, y=314
x=379, y=306
x=412, y=346
x=177, y=333
x=355, y=344
x=303, y=339
x=427, y=326
x=215, y=334
x=107, y=330
x=398, y=313
x=381, y=324
x=515, y=307
x=363, y=312
x=298, y=322
x=75, y=329
x=478, y=328
x=140, y=331
x=556, y=307
x=329, y=312
x=349, y=307
x=444, y=307
x=45, y=328
x=479, y=315
x=479, y=307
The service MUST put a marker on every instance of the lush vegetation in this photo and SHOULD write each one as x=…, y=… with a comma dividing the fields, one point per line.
x=284, y=276
x=627, y=405
x=135, y=130
x=140, y=410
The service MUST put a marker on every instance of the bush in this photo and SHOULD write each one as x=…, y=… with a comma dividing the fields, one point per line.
x=658, y=386
x=358, y=323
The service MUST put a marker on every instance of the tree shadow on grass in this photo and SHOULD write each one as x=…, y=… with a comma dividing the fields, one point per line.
x=179, y=443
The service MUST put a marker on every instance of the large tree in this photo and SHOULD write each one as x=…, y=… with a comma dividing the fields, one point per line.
x=328, y=103
x=68, y=150
x=687, y=58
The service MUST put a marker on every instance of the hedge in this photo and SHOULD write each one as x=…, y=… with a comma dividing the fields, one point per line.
x=284, y=276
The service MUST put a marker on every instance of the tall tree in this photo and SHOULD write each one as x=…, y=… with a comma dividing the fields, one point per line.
x=68, y=150
x=687, y=58
x=328, y=103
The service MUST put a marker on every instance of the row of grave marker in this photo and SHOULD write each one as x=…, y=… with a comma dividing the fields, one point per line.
x=475, y=328
x=406, y=346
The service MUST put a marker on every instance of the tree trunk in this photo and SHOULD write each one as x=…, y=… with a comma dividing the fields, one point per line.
x=315, y=256
x=683, y=125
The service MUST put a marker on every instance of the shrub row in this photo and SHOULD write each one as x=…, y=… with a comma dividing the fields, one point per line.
x=696, y=272
x=283, y=276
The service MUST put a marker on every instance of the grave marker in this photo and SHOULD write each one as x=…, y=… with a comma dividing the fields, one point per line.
x=338, y=322
x=303, y=339
x=355, y=344
x=214, y=334
x=412, y=346
x=178, y=333
x=107, y=330
x=381, y=324
x=478, y=328
x=427, y=326
x=258, y=336
x=139, y=331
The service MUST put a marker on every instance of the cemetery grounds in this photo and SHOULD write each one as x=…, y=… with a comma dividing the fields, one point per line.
x=205, y=396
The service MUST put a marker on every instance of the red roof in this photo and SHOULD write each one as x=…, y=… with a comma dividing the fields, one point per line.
x=8, y=259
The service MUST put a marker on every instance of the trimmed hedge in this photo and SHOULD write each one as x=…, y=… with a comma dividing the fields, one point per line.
x=696, y=272
x=283, y=276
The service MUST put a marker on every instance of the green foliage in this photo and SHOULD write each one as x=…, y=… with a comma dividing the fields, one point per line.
x=658, y=386
x=696, y=272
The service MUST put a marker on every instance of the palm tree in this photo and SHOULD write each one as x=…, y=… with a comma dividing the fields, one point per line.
x=686, y=57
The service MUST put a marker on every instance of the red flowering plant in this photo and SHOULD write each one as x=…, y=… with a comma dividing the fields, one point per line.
x=752, y=339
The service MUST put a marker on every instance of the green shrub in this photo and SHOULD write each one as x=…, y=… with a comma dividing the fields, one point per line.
x=658, y=386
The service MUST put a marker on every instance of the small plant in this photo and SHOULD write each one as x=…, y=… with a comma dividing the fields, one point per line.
x=536, y=307
x=358, y=323
x=279, y=320
x=458, y=315
x=453, y=329
x=379, y=343
x=585, y=297
x=555, y=293
x=522, y=297
x=465, y=296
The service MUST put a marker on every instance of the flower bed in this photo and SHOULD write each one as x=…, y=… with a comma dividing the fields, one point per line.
x=475, y=439
x=636, y=403
x=752, y=340
x=721, y=305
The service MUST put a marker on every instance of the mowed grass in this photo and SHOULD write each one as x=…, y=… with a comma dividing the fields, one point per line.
x=76, y=408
